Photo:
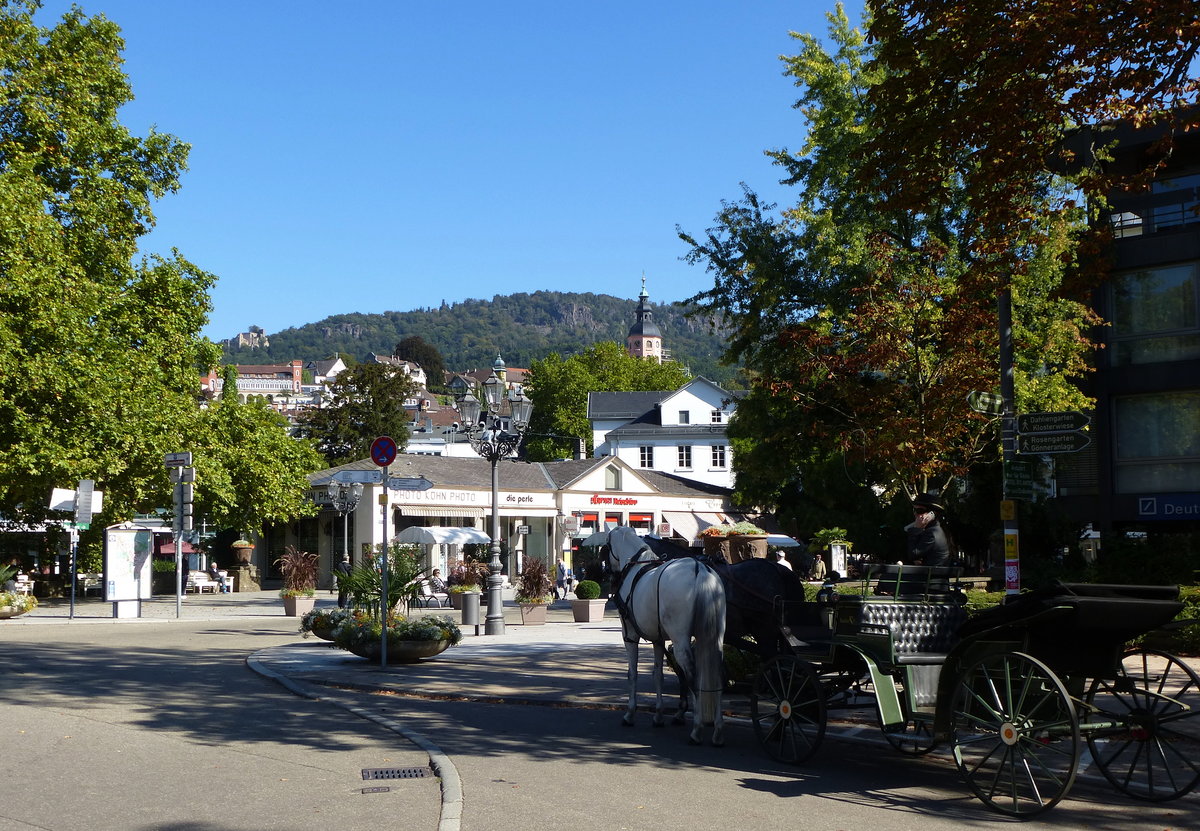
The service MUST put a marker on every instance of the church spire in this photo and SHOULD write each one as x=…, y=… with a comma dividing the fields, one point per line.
x=644, y=339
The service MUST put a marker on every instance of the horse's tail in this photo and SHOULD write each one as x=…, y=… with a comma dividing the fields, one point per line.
x=709, y=631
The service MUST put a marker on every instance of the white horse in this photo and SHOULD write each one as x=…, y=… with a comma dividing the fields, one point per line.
x=681, y=601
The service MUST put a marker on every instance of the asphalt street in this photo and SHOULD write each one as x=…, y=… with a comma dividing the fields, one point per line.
x=224, y=718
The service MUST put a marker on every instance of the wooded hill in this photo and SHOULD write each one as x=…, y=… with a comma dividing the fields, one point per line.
x=521, y=327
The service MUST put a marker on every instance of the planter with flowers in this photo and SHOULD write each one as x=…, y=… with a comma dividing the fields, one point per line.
x=299, y=590
x=533, y=592
x=322, y=622
x=587, y=605
x=408, y=639
x=14, y=604
x=734, y=543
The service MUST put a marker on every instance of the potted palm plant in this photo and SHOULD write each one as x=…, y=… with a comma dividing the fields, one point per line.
x=299, y=590
x=587, y=605
x=533, y=592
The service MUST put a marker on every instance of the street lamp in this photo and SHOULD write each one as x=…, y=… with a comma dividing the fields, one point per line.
x=484, y=426
x=345, y=499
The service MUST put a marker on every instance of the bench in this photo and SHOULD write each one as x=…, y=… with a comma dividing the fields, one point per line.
x=428, y=598
x=200, y=582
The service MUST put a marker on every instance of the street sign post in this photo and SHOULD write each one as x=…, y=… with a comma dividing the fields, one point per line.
x=362, y=477
x=178, y=459
x=404, y=483
x=383, y=451
x=988, y=403
x=1052, y=422
x=1044, y=443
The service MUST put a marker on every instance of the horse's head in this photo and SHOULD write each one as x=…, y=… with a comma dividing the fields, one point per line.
x=624, y=546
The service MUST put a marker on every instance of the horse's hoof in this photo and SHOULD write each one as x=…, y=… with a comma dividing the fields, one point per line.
x=627, y=722
x=659, y=723
x=678, y=720
x=718, y=742
x=693, y=740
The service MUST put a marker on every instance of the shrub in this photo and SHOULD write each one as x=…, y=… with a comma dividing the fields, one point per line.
x=299, y=572
x=587, y=590
x=534, y=584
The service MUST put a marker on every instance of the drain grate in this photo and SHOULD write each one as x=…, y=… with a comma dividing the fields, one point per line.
x=396, y=773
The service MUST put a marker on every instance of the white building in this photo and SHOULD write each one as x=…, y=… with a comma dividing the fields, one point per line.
x=682, y=433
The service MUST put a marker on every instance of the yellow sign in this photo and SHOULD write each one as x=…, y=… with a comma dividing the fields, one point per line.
x=1008, y=509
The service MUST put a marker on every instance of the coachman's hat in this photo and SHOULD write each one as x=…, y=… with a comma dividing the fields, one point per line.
x=930, y=500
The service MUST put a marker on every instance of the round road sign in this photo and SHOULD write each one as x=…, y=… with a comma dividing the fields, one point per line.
x=383, y=451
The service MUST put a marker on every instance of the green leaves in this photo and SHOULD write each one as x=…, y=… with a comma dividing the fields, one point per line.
x=367, y=401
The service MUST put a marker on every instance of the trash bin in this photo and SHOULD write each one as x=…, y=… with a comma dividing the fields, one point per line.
x=470, y=608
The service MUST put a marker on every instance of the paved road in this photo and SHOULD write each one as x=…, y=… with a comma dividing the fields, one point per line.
x=158, y=724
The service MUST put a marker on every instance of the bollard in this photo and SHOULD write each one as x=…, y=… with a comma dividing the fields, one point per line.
x=470, y=609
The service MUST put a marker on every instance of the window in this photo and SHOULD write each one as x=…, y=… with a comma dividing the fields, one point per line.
x=1158, y=442
x=685, y=417
x=612, y=478
x=1154, y=315
x=646, y=453
x=718, y=455
x=685, y=456
x=718, y=417
x=642, y=522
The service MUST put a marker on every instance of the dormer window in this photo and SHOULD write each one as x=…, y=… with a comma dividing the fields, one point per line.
x=612, y=478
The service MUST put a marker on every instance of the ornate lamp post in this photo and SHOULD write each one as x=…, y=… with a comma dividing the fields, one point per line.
x=490, y=438
x=345, y=499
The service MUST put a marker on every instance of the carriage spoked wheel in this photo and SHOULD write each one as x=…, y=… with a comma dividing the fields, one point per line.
x=788, y=709
x=1149, y=747
x=1015, y=734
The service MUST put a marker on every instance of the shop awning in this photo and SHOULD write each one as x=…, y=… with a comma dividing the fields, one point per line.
x=425, y=510
x=169, y=548
x=433, y=535
x=689, y=524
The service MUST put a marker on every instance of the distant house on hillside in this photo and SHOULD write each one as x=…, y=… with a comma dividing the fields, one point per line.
x=413, y=371
x=325, y=371
x=680, y=432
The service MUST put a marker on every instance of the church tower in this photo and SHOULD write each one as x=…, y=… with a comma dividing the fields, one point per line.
x=644, y=339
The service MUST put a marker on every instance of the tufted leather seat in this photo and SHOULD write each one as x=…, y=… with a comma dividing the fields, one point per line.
x=922, y=633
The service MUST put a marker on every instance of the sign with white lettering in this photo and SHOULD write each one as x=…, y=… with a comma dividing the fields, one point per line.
x=1051, y=422
x=364, y=477
x=1169, y=506
x=1041, y=443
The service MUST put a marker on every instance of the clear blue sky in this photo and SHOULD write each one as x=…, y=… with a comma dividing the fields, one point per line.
x=386, y=156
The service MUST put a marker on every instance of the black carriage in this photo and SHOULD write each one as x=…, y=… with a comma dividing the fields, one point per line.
x=1017, y=692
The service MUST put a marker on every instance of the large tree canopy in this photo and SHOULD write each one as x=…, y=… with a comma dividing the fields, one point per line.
x=976, y=95
x=101, y=349
x=101, y=352
x=559, y=389
x=869, y=323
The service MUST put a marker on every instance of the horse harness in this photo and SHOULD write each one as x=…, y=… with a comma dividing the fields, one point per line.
x=639, y=568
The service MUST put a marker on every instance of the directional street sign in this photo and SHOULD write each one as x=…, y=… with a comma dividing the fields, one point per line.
x=402, y=483
x=1036, y=443
x=178, y=459
x=988, y=403
x=1051, y=422
x=383, y=451
x=364, y=477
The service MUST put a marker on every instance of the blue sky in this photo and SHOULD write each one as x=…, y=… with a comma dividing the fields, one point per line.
x=388, y=156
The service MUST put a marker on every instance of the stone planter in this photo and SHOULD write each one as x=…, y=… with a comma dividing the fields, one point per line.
x=322, y=629
x=717, y=548
x=586, y=611
x=7, y=612
x=533, y=614
x=243, y=552
x=747, y=546
x=298, y=606
x=402, y=652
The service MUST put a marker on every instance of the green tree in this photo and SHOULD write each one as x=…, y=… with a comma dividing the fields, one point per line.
x=559, y=389
x=869, y=322
x=416, y=349
x=102, y=351
x=250, y=471
x=366, y=401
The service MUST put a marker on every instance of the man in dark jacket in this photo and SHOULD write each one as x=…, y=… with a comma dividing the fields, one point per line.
x=339, y=571
x=927, y=543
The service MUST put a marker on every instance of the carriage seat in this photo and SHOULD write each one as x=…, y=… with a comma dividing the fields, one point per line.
x=921, y=633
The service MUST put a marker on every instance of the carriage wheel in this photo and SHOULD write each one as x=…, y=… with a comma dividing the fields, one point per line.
x=788, y=709
x=1153, y=752
x=1016, y=735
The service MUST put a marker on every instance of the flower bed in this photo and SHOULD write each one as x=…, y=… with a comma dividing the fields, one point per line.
x=362, y=634
x=13, y=604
